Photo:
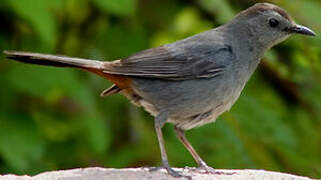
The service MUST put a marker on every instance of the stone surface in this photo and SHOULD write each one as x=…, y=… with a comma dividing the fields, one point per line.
x=96, y=173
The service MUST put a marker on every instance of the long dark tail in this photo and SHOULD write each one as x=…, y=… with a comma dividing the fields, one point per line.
x=54, y=60
x=94, y=66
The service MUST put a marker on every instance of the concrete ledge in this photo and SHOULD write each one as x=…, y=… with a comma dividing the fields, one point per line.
x=96, y=173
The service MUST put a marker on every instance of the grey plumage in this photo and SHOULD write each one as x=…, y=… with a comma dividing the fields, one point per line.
x=178, y=61
x=192, y=81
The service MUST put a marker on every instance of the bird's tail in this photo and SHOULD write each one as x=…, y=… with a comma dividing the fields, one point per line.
x=94, y=66
x=54, y=60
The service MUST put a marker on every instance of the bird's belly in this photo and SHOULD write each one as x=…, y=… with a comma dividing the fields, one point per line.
x=209, y=112
x=189, y=103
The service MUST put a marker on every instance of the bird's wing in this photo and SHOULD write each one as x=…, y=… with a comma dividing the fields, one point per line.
x=200, y=61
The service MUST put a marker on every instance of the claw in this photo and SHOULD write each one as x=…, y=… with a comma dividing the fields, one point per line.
x=205, y=169
x=171, y=172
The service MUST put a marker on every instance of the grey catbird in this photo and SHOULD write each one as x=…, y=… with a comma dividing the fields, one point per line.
x=192, y=81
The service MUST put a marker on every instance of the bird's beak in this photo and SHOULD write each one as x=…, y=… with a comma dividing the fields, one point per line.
x=301, y=30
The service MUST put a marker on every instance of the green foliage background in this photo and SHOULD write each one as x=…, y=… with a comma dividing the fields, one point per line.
x=53, y=118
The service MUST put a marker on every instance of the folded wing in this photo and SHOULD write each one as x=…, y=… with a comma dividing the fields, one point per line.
x=180, y=64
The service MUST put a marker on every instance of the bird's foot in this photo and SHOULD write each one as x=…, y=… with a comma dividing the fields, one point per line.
x=205, y=169
x=171, y=172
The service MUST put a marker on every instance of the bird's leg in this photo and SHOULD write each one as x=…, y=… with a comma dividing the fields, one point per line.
x=202, y=165
x=159, y=123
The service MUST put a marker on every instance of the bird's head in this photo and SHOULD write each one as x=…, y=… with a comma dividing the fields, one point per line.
x=270, y=24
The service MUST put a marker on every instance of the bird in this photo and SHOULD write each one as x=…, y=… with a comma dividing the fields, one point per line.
x=192, y=81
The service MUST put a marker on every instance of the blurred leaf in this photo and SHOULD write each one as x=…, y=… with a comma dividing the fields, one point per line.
x=186, y=23
x=53, y=129
x=189, y=22
x=97, y=133
x=219, y=8
x=41, y=17
x=119, y=47
x=306, y=11
x=77, y=10
x=20, y=143
x=118, y=7
x=162, y=38
x=47, y=79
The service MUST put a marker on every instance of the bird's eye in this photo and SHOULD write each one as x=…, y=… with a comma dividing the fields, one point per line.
x=273, y=22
